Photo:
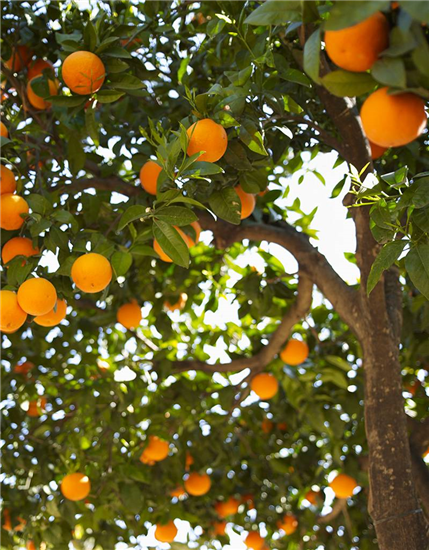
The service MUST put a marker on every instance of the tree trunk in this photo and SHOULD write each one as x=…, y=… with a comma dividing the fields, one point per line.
x=393, y=505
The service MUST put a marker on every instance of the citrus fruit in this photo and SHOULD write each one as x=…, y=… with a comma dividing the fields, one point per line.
x=343, y=486
x=129, y=315
x=178, y=304
x=289, y=524
x=197, y=484
x=376, y=150
x=37, y=407
x=208, y=136
x=149, y=173
x=39, y=102
x=227, y=507
x=75, y=486
x=23, y=368
x=37, y=67
x=178, y=492
x=12, y=316
x=3, y=130
x=357, y=48
x=166, y=533
x=54, y=316
x=294, y=353
x=265, y=385
x=267, y=426
x=7, y=180
x=91, y=272
x=18, y=246
x=157, y=449
x=393, y=120
x=254, y=540
x=219, y=528
x=20, y=58
x=37, y=296
x=11, y=208
x=83, y=72
x=247, y=200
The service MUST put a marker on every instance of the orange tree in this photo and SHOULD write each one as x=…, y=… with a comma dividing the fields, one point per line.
x=115, y=417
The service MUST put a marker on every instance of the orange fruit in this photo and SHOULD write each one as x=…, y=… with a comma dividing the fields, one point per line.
x=7, y=180
x=91, y=272
x=20, y=58
x=3, y=130
x=343, y=486
x=162, y=254
x=129, y=315
x=54, y=316
x=265, y=385
x=7, y=525
x=31, y=545
x=178, y=492
x=12, y=316
x=166, y=533
x=376, y=150
x=75, y=486
x=312, y=496
x=294, y=353
x=394, y=5
x=149, y=173
x=267, y=426
x=83, y=72
x=179, y=304
x=289, y=524
x=23, y=368
x=254, y=540
x=38, y=102
x=11, y=208
x=393, y=120
x=37, y=67
x=18, y=246
x=219, y=528
x=208, y=136
x=247, y=200
x=357, y=48
x=197, y=229
x=188, y=461
x=198, y=484
x=145, y=459
x=37, y=407
x=227, y=507
x=37, y=296
x=249, y=501
x=157, y=449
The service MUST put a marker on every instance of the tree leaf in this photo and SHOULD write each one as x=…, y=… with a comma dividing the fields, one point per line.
x=132, y=213
x=91, y=125
x=385, y=259
x=417, y=266
x=68, y=100
x=312, y=56
x=109, y=96
x=171, y=242
x=348, y=12
x=202, y=168
x=275, y=12
x=346, y=84
x=390, y=71
x=226, y=204
x=176, y=215
x=121, y=263
x=76, y=154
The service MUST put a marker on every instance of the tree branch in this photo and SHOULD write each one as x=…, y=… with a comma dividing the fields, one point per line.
x=295, y=313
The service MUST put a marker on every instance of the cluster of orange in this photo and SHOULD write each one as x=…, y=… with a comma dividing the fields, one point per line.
x=388, y=119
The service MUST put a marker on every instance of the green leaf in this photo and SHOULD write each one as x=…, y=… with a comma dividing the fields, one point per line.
x=68, y=100
x=109, y=96
x=226, y=205
x=202, y=168
x=171, y=242
x=90, y=36
x=421, y=218
x=417, y=265
x=417, y=9
x=385, y=259
x=132, y=213
x=39, y=204
x=76, y=154
x=275, y=12
x=239, y=78
x=106, y=43
x=335, y=377
x=117, y=52
x=18, y=273
x=346, y=84
x=348, y=12
x=66, y=217
x=390, y=71
x=125, y=82
x=176, y=215
x=252, y=137
x=312, y=56
x=114, y=66
x=91, y=125
x=121, y=263
x=338, y=362
x=143, y=250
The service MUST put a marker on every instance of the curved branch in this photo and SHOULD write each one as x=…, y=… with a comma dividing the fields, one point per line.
x=294, y=314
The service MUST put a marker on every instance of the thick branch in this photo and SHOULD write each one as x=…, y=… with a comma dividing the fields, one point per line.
x=295, y=313
x=111, y=183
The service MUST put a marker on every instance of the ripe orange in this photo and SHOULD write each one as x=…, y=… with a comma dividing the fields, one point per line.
x=343, y=486
x=179, y=304
x=357, y=48
x=129, y=315
x=12, y=316
x=7, y=525
x=20, y=58
x=254, y=540
x=393, y=120
x=157, y=449
x=31, y=545
x=208, y=136
x=149, y=173
x=23, y=368
x=37, y=296
x=166, y=533
x=178, y=492
x=3, y=130
x=37, y=407
x=38, y=102
x=18, y=246
x=219, y=528
x=312, y=496
x=247, y=200
x=188, y=461
x=265, y=385
x=7, y=180
x=145, y=459
x=294, y=353
x=227, y=507
x=91, y=272
x=376, y=150
x=267, y=426
x=75, y=486
x=83, y=72
x=11, y=208
x=198, y=484
x=289, y=524
x=37, y=67
x=53, y=317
